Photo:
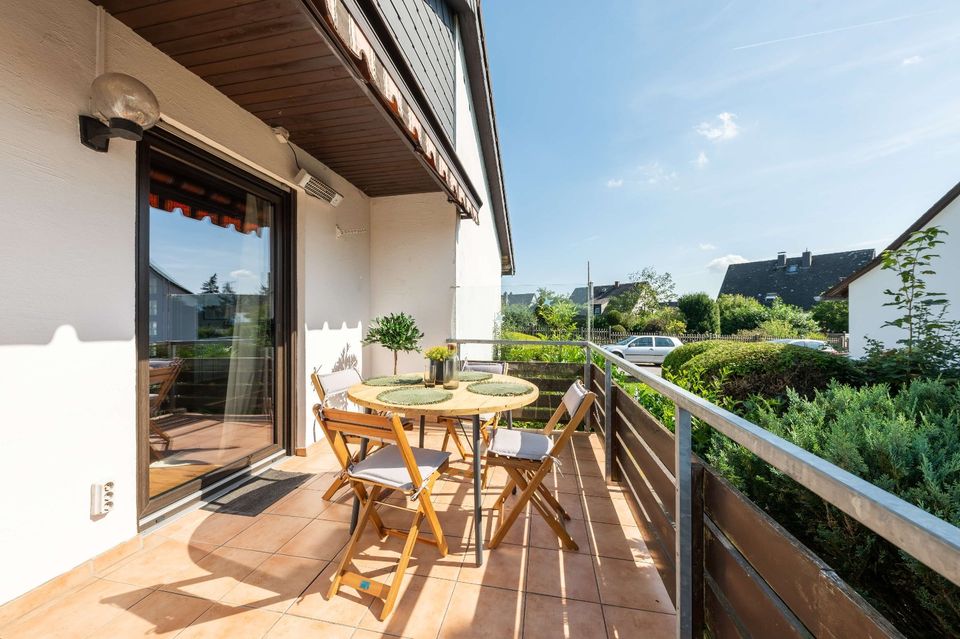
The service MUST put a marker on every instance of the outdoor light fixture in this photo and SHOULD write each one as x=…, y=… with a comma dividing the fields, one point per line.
x=123, y=107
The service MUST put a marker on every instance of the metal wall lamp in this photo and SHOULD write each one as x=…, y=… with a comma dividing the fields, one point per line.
x=123, y=107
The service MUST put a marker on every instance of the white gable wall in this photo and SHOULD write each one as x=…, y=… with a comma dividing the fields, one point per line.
x=867, y=310
x=478, y=252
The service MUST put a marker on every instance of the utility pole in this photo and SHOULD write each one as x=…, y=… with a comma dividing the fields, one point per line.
x=589, y=305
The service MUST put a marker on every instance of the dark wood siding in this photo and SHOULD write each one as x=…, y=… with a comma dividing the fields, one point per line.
x=424, y=31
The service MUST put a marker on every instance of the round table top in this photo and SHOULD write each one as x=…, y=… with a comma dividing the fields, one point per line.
x=462, y=403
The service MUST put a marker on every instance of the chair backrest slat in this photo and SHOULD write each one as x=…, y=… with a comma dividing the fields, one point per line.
x=338, y=424
x=498, y=368
x=576, y=403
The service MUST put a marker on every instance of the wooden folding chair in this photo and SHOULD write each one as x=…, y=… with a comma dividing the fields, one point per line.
x=529, y=457
x=163, y=374
x=399, y=467
x=456, y=426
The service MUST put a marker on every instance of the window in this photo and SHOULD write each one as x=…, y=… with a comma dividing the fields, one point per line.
x=643, y=341
x=211, y=274
x=597, y=310
x=664, y=341
x=793, y=268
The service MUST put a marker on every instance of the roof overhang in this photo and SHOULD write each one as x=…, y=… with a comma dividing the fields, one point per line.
x=308, y=66
x=841, y=290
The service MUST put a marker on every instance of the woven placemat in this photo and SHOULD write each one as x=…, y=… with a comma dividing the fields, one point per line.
x=410, y=379
x=414, y=396
x=500, y=389
x=474, y=376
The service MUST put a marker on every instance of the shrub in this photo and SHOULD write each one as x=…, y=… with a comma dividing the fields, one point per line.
x=768, y=370
x=801, y=321
x=617, y=328
x=613, y=318
x=700, y=312
x=906, y=443
x=668, y=320
x=739, y=313
x=679, y=356
x=777, y=328
x=832, y=315
x=517, y=317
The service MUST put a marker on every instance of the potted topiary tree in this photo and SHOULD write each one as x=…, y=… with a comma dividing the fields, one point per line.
x=396, y=332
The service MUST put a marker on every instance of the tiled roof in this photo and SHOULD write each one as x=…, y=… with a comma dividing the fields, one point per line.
x=793, y=283
x=600, y=292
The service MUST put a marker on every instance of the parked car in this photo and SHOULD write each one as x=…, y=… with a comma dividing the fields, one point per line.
x=815, y=344
x=644, y=349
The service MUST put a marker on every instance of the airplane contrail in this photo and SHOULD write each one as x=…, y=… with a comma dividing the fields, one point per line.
x=828, y=31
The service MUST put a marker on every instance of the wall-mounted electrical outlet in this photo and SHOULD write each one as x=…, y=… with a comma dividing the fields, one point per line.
x=101, y=499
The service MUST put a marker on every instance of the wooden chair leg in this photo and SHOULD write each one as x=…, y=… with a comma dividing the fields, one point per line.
x=334, y=488
x=511, y=517
x=549, y=517
x=354, y=538
x=431, y=514
x=397, y=581
x=551, y=499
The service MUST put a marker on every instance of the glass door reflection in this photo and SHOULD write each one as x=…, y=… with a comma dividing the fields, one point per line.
x=210, y=323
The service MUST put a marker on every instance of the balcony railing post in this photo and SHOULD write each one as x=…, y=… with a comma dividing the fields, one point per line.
x=684, y=540
x=587, y=363
x=607, y=421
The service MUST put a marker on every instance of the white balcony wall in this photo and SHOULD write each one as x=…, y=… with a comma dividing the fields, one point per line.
x=866, y=294
x=412, y=244
x=477, y=251
x=67, y=379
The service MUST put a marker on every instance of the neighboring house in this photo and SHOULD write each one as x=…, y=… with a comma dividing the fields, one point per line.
x=865, y=288
x=517, y=299
x=411, y=147
x=800, y=281
x=602, y=295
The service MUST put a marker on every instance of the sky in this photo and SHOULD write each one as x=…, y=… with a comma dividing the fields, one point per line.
x=689, y=135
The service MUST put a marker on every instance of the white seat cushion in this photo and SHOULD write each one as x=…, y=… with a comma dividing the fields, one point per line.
x=386, y=466
x=574, y=397
x=520, y=444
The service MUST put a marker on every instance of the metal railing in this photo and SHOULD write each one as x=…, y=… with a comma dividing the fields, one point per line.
x=930, y=540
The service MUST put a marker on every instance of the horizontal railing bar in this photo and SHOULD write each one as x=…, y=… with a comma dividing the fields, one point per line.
x=927, y=538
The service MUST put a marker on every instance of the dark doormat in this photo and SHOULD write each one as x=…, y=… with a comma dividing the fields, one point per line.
x=258, y=494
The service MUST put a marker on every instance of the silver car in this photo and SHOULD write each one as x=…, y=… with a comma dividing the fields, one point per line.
x=644, y=349
x=815, y=344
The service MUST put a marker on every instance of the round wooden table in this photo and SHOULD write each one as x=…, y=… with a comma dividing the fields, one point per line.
x=463, y=404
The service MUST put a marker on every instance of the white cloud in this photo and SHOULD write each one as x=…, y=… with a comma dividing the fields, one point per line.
x=707, y=246
x=720, y=264
x=724, y=129
x=653, y=173
x=614, y=183
x=914, y=59
x=701, y=161
x=241, y=273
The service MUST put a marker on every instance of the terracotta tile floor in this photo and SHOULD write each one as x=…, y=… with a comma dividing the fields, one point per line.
x=213, y=575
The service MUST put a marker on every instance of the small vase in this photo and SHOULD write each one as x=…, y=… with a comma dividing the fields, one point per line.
x=432, y=373
x=451, y=372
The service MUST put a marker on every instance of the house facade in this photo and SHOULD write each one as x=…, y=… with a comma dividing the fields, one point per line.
x=865, y=288
x=602, y=295
x=800, y=281
x=252, y=96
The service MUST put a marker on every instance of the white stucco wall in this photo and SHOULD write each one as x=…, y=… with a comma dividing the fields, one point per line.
x=67, y=380
x=412, y=270
x=867, y=310
x=478, y=252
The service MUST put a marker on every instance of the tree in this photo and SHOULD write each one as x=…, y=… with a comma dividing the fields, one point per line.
x=739, y=313
x=832, y=315
x=395, y=332
x=228, y=289
x=210, y=286
x=701, y=313
x=544, y=299
x=653, y=289
x=626, y=302
x=667, y=320
x=516, y=317
x=560, y=317
x=802, y=321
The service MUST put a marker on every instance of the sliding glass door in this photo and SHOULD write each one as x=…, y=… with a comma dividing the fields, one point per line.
x=212, y=242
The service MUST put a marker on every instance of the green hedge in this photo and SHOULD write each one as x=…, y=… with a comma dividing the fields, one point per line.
x=679, y=356
x=768, y=369
x=907, y=443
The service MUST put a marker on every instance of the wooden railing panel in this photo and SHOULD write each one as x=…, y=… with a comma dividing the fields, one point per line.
x=656, y=437
x=662, y=484
x=811, y=589
x=754, y=605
